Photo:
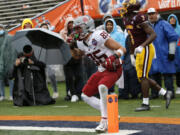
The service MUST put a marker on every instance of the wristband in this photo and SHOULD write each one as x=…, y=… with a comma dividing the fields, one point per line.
x=120, y=51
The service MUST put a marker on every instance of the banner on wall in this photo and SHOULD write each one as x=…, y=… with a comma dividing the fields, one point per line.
x=56, y=15
x=95, y=8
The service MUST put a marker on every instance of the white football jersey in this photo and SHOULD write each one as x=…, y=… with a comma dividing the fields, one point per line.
x=95, y=49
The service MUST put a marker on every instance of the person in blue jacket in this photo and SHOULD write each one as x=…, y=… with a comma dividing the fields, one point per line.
x=165, y=45
x=111, y=27
x=173, y=20
x=131, y=83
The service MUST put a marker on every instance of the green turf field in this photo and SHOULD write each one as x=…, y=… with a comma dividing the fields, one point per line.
x=61, y=107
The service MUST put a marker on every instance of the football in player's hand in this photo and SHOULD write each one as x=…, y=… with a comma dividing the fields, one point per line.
x=112, y=63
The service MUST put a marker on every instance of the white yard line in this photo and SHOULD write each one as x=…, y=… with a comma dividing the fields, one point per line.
x=46, y=128
x=155, y=106
x=121, y=132
x=62, y=106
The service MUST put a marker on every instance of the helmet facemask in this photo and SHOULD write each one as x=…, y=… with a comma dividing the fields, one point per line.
x=80, y=32
x=82, y=26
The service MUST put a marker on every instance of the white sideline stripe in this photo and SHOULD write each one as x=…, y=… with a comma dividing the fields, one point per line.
x=46, y=128
x=121, y=132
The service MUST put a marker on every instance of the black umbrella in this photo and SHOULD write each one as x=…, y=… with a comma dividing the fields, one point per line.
x=47, y=45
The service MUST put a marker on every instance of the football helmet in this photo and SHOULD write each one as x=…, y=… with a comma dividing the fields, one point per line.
x=82, y=25
x=129, y=6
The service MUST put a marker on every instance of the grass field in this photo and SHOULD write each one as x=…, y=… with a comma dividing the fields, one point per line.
x=65, y=108
x=61, y=107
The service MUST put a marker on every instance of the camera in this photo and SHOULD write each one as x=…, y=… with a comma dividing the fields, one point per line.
x=24, y=60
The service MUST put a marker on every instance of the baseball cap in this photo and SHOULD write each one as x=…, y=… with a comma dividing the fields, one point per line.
x=151, y=10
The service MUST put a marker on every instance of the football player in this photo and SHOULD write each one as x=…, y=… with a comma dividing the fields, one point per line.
x=141, y=49
x=106, y=53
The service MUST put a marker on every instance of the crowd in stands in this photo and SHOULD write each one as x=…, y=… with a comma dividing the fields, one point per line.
x=166, y=64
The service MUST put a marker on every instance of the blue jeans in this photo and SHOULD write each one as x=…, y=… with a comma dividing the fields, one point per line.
x=2, y=87
x=52, y=77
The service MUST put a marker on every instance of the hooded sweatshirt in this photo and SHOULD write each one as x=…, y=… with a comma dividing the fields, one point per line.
x=64, y=31
x=177, y=29
x=115, y=34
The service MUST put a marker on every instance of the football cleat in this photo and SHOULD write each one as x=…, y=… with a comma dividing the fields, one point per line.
x=143, y=107
x=168, y=98
x=102, y=127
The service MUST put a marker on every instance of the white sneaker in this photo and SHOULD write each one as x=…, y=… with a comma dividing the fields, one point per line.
x=102, y=127
x=55, y=95
x=178, y=90
x=11, y=98
x=2, y=98
x=69, y=93
x=74, y=98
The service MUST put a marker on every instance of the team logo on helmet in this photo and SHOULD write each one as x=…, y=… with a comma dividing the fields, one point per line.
x=85, y=19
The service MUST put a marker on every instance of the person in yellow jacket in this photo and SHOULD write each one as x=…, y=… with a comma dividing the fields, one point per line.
x=27, y=24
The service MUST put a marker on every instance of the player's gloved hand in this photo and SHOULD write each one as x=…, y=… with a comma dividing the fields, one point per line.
x=133, y=60
x=171, y=57
x=112, y=63
x=138, y=50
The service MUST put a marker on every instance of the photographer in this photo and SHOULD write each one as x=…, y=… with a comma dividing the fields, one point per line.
x=30, y=80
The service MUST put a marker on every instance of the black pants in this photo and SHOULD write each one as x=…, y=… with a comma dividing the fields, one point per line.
x=178, y=79
x=131, y=84
x=168, y=82
x=74, y=78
